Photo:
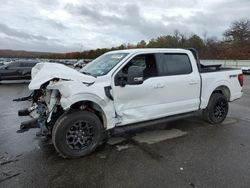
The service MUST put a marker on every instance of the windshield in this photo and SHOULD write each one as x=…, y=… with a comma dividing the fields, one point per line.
x=103, y=64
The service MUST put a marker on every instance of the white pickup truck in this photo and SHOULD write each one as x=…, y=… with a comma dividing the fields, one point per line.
x=125, y=89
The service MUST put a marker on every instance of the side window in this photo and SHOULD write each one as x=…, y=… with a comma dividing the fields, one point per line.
x=139, y=61
x=146, y=62
x=173, y=64
x=136, y=61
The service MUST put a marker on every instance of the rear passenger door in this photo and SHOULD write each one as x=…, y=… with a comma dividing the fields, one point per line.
x=179, y=87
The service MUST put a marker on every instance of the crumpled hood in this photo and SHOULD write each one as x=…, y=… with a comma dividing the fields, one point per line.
x=44, y=72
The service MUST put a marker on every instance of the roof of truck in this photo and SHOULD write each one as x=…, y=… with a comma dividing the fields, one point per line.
x=152, y=50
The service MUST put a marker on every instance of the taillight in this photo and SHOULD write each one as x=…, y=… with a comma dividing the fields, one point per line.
x=240, y=78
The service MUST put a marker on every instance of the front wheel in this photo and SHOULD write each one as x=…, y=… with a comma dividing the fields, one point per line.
x=77, y=134
x=217, y=109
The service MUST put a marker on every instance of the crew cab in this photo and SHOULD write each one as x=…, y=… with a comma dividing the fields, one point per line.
x=124, y=89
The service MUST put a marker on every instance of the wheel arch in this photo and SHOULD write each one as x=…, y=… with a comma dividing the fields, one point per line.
x=221, y=87
x=98, y=103
x=224, y=90
x=91, y=106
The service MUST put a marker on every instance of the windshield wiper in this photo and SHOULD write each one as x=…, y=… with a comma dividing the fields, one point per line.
x=87, y=73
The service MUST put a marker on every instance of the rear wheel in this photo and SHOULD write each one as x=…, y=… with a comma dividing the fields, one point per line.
x=77, y=134
x=217, y=109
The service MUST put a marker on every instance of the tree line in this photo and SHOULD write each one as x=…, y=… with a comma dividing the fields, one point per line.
x=235, y=44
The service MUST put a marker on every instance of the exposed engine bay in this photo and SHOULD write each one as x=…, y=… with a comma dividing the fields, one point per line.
x=45, y=103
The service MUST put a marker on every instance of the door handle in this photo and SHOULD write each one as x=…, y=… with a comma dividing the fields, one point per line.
x=193, y=82
x=157, y=86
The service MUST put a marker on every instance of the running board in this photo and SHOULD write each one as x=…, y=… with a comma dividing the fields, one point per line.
x=120, y=130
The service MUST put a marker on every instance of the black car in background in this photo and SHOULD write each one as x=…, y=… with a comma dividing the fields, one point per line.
x=245, y=70
x=17, y=70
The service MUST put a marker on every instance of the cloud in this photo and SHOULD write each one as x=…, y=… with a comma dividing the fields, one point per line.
x=57, y=25
x=19, y=34
x=44, y=46
x=128, y=17
x=68, y=25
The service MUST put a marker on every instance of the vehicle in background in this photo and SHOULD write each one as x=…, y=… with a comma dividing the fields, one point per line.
x=80, y=64
x=69, y=62
x=245, y=70
x=124, y=90
x=64, y=62
x=17, y=70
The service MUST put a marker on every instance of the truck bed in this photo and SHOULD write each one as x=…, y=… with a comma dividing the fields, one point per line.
x=222, y=77
x=214, y=68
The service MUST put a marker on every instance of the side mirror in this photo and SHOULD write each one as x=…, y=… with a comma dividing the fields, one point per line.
x=135, y=75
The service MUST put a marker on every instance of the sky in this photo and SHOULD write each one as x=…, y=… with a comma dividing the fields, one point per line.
x=77, y=25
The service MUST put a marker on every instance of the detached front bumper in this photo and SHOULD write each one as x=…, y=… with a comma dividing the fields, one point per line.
x=38, y=122
x=46, y=112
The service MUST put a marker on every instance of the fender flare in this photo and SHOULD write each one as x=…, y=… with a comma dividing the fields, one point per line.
x=205, y=98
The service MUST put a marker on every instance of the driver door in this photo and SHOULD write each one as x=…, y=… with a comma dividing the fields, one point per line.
x=134, y=103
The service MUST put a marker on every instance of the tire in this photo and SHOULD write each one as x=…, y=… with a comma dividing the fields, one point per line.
x=217, y=109
x=77, y=134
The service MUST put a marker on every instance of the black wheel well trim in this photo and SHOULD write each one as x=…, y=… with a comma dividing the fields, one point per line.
x=92, y=107
x=224, y=90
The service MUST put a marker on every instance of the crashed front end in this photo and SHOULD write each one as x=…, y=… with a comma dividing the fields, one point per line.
x=45, y=97
x=45, y=106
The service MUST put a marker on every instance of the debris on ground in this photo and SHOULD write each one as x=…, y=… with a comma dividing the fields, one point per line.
x=8, y=176
x=20, y=155
x=102, y=156
x=122, y=147
x=229, y=121
x=115, y=140
x=191, y=184
x=8, y=161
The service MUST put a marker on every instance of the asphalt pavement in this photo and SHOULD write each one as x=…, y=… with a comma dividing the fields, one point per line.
x=184, y=153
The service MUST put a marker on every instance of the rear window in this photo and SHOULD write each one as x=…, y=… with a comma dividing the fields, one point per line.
x=173, y=64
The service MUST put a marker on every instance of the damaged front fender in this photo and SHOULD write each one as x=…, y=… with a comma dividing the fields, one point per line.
x=44, y=72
